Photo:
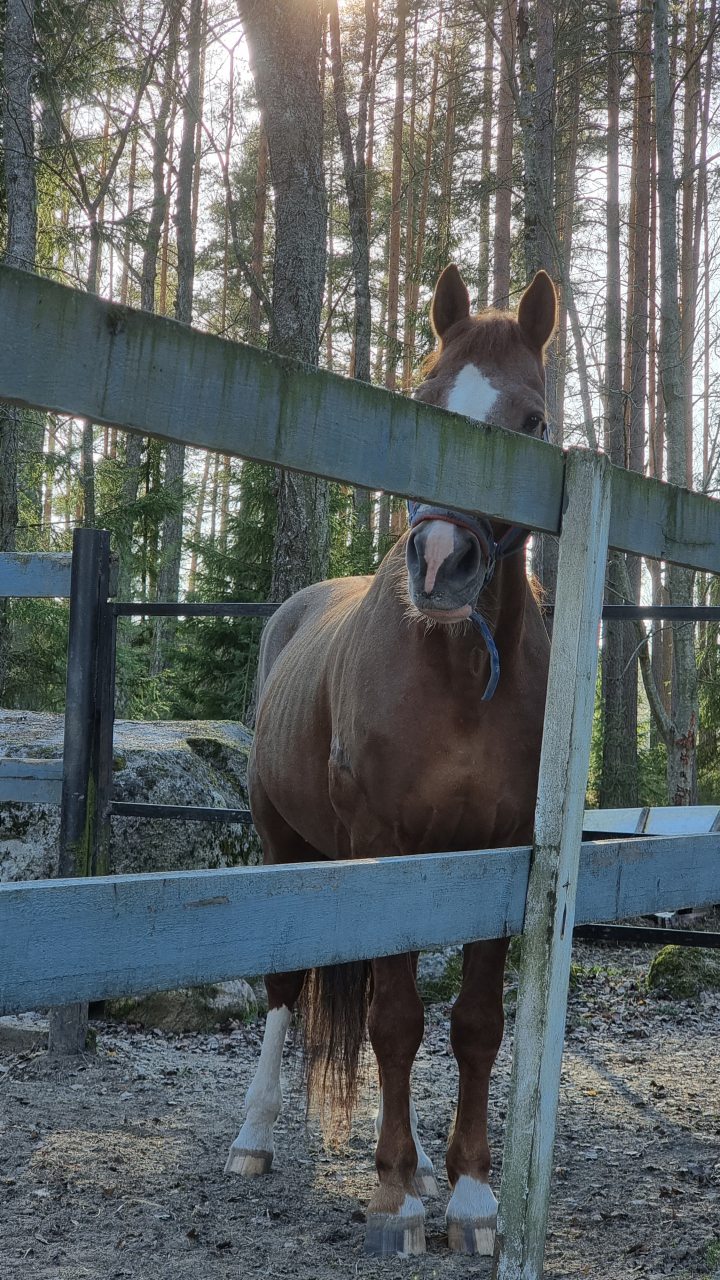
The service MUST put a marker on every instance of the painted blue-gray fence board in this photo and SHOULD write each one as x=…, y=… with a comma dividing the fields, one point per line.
x=69, y=940
x=74, y=353
x=30, y=781
x=26, y=574
x=71, y=352
x=668, y=820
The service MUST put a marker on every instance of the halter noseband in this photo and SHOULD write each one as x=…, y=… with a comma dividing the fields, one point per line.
x=511, y=541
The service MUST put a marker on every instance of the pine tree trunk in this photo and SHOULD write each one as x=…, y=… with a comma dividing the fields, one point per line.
x=135, y=444
x=355, y=186
x=425, y=189
x=538, y=130
x=258, y=240
x=504, y=162
x=483, y=277
x=568, y=114
x=168, y=578
x=682, y=770
x=407, y=351
x=285, y=41
x=21, y=198
x=446, y=182
x=391, y=354
x=688, y=261
x=618, y=783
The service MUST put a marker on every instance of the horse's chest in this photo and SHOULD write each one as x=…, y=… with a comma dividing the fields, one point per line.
x=430, y=795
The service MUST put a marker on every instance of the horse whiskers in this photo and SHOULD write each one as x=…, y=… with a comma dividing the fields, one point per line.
x=413, y=616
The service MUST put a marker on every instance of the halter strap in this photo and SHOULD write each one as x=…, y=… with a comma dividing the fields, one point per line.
x=512, y=540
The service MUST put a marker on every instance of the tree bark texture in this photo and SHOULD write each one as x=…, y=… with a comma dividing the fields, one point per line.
x=391, y=354
x=21, y=199
x=618, y=783
x=168, y=579
x=483, y=279
x=504, y=162
x=285, y=40
x=354, y=172
x=356, y=188
x=258, y=241
x=682, y=768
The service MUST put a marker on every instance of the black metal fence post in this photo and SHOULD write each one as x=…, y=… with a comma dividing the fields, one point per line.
x=84, y=814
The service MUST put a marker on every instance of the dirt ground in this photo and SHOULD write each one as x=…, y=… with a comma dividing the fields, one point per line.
x=112, y=1167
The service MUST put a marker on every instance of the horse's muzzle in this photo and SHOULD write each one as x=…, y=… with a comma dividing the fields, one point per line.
x=446, y=569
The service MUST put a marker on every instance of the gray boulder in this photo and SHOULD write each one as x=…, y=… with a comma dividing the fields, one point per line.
x=164, y=762
x=189, y=1008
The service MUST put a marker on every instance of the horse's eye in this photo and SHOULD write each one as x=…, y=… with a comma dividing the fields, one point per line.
x=534, y=423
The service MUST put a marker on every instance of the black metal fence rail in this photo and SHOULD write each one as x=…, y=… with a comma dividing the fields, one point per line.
x=218, y=609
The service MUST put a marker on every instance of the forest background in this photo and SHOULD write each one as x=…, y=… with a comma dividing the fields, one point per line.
x=295, y=175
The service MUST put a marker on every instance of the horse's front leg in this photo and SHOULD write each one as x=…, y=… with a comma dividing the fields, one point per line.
x=251, y=1154
x=396, y=1217
x=476, y=1028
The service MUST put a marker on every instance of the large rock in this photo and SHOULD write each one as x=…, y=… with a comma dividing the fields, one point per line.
x=684, y=972
x=189, y=1008
x=166, y=762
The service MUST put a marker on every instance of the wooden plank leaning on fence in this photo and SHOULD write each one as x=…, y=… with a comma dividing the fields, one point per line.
x=550, y=908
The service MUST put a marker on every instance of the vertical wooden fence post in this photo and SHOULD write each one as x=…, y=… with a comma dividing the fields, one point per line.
x=550, y=906
x=83, y=815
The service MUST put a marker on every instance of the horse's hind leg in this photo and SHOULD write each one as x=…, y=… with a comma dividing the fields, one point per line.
x=395, y=1221
x=476, y=1028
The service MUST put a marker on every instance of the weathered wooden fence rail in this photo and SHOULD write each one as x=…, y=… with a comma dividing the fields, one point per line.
x=90, y=939
x=72, y=353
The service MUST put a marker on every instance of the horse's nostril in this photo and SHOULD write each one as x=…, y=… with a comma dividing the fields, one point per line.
x=469, y=560
x=412, y=558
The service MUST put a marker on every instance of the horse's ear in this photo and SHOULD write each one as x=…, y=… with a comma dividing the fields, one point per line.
x=451, y=301
x=537, y=313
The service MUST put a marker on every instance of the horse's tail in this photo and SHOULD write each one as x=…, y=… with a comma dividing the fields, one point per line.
x=334, y=1005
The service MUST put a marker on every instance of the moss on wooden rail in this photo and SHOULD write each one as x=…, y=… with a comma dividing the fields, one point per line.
x=70, y=352
x=73, y=353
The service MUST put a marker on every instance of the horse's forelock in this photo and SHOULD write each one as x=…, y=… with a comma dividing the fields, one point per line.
x=493, y=336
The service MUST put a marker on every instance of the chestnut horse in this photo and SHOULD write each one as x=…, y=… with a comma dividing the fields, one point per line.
x=380, y=731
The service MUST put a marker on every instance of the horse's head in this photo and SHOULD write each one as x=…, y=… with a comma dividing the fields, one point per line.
x=489, y=367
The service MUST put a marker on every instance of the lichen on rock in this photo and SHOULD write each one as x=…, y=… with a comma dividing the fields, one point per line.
x=163, y=762
x=682, y=973
x=189, y=1009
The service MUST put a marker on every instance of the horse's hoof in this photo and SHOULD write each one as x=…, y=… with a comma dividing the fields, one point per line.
x=426, y=1184
x=471, y=1237
x=249, y=1164
x=471, y=1217
x=388, y=1234
x=402, y=1232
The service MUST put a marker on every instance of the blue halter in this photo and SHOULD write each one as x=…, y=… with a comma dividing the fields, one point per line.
x=512, y=541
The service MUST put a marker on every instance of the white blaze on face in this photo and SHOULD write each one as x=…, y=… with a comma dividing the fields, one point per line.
x=472, y=394
x=439, y=542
